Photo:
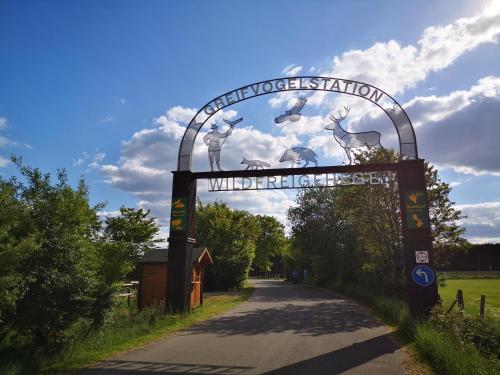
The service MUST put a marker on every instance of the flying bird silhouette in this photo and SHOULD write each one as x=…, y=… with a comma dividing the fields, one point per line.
x=232, y=123
x=293, y=114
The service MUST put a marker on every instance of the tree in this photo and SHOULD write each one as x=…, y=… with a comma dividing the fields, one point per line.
x=230, y=236
x=270, y=243
x=131, y=235
x=15, y=245
x=59, y=264
x=446, y=232
x=353, y=233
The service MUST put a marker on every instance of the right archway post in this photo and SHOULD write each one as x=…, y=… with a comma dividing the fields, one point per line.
x=417, y=237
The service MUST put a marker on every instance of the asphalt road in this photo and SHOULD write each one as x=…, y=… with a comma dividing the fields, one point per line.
x=281, y=329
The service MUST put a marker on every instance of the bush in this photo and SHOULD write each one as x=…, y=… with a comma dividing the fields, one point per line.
x=469, y=331
x=230, y=235
x=59, y=264
x=447, y=356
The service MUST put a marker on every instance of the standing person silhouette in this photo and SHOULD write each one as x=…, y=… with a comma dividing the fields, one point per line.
x=212, y=140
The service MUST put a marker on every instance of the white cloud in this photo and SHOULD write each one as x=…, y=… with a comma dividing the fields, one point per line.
x=395, y=68
x=181, y=114
x=147, y=159
x=461, y=130
x=104, y=214
x=81, y=160
x=288, y=97
x=4, y=141
x=291, y=70
x=99, y=156
x=482, y=221
x=107, y=119
x=3, y=161
x=96, y=160
x=305, y=126
x=88, y=160
x=423, y=110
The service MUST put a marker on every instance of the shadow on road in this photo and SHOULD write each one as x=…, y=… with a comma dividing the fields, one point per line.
x=313, y=313
x=341, y=360
x=332, y=363
x=311, y=320
x=146, y=368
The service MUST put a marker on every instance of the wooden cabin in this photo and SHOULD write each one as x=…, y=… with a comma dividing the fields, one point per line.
x=153, y=269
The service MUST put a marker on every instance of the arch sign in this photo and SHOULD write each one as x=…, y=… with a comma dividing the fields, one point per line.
x=258, y=175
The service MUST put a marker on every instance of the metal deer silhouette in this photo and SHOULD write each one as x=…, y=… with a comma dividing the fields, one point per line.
x=348, y=140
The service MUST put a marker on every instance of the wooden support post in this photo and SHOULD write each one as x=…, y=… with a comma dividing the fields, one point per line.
x=420, y=276
x=481, y=306
x=181, y=242
x=460, y=299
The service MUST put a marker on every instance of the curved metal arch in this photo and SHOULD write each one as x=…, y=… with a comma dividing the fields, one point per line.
x=398, y=116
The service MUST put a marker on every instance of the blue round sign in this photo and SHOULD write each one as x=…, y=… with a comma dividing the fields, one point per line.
x=422, y=275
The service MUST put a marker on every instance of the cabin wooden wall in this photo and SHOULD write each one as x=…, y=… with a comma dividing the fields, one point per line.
x=153, y=284
x=196, y=286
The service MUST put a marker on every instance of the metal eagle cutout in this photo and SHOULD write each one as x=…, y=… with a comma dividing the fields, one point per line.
x=293, y=114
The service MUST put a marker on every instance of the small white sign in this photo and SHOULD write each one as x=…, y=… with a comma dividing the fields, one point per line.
x=422, y=256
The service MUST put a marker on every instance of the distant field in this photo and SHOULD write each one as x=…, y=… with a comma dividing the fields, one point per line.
x=469, y=274
x=472, y=290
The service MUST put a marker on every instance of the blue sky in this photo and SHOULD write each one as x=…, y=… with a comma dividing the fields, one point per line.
x=105, y=89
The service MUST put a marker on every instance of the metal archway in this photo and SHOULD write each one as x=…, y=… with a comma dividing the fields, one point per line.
x=404, y=128
x=414, y=207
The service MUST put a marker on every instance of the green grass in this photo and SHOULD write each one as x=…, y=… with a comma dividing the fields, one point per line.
x=472, y=290
x=469, y=274
x=125, y=329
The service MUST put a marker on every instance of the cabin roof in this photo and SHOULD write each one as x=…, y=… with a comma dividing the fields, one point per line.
x=160, y=255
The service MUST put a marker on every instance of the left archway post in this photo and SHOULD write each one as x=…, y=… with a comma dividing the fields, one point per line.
x=181, y=242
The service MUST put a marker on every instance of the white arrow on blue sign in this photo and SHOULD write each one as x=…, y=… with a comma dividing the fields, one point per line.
x=422, y=275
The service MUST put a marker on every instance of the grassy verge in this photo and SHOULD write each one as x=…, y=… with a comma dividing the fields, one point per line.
x=126, y=328
x=434, y=346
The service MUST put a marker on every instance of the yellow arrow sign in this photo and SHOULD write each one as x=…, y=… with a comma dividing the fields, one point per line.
x=177, y=223
x=413, y=197
x=178, y=204
x=417, y=220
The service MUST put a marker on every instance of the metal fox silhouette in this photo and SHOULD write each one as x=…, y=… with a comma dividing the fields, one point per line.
x=255, y=164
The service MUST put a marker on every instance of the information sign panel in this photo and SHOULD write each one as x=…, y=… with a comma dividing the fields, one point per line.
x=178, y=218
x=422, y=256
x=417, y=215
x=423, y=275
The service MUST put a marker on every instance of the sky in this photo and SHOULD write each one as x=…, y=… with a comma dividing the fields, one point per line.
x=106, y=90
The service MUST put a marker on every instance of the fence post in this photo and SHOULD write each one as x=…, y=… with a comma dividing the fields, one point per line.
x=481, y=306
x=460, y=299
